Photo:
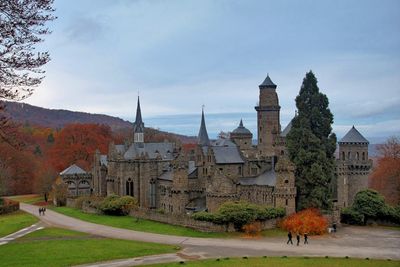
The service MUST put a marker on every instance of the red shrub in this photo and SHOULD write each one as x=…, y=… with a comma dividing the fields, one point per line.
x=308, y=221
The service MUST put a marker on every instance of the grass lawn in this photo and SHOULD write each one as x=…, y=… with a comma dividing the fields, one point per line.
x=12, y=222
x=59, y=247
x=29, y=199
x=286, y=262
x=128, y=222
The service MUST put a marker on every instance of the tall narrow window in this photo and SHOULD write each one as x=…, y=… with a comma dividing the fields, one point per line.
x=152, y=194
x=129, y=187
x=349, y=155
x=343, y=155
x=357, y=156
x=363, y=156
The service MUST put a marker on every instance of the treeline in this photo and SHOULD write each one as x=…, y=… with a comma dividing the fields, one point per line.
x=33, y=156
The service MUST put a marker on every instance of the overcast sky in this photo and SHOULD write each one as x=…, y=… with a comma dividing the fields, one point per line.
x=182, y=54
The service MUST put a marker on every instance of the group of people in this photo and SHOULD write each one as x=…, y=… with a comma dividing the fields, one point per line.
x=42, y=211
x=290, y=236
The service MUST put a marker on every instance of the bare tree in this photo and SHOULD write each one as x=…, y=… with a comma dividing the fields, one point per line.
x=22, y=25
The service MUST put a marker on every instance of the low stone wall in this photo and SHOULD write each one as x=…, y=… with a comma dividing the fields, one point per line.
x=9, y=206
x=70, y=202
x=186, y=221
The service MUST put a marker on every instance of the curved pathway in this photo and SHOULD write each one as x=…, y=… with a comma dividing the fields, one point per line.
x=358, y=242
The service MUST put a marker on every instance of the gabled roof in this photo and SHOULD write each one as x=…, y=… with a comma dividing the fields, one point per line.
x=287, y=129
x=353, y=136
x=153, y=150
x=227, y=155
x=73, y=169
x=266, y=178
x=241, y=129
x=203, y=139
x=267, y=83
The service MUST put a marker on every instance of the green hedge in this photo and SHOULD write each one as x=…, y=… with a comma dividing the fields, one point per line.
x=351, y=216
x=116, y=205
x=240, y=214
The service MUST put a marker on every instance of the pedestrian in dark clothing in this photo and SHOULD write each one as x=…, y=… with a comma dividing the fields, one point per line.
x=305, y=238
x=334, y=227
x=40, y=211
x=44, y=210
x=289, y=235
x=298, y=238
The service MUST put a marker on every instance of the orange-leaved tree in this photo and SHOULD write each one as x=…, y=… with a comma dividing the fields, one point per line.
x=308, y=221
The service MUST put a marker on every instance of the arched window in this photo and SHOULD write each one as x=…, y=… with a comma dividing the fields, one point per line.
x=152, y=194
x=349, y=155
x=357, y=156
x=363, y=156
x=129, y=187
x=343, y=156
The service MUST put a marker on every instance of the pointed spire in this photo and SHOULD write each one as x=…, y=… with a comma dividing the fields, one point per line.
x=267, y=83
x=203, y=139
x=138, y=125
x=241, y=123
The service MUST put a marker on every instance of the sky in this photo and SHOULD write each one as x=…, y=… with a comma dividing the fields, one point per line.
x=180, y=55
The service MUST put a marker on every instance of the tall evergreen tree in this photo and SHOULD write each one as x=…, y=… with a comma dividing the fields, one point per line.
x=311, y=145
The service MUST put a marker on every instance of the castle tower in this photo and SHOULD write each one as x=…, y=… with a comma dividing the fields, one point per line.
x=353, y=167
x=138, y=126
x=242, y=137
x=268, y=121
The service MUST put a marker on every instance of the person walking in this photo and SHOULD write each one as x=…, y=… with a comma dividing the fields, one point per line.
x=44, y=210
x=298, y=238
x=305, y=238
x=40, y=211
x=289, y=235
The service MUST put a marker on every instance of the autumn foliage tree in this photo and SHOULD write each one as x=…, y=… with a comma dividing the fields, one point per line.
x=386, y=176
x=77, y=143
x=308, y=221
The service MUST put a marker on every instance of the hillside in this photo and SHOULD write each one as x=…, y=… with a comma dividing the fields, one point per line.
x=58, y=118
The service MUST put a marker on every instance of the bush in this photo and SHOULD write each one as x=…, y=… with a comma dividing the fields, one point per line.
x=1, y=201
x=390, y=214
x=116, y=205
x=92, y=201
x=351, y=216
x=240, y=214
x=252, y=229
x=308, y=221
x=369, y=203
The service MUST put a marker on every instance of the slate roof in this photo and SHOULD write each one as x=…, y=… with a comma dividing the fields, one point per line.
x=241, y=129
x=353, y=136
x=267, y=83
x=227, y=155
x=192, y=167
x=138, y=125
x=165, y=150
x=203, y=139
x=120, y=149
x=103, y=160
x=73, y=169
x=287, y=129
x=166, y=176
x=266, y=178
x=222, y=142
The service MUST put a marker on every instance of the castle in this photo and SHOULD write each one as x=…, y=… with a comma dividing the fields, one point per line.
x=163, y=176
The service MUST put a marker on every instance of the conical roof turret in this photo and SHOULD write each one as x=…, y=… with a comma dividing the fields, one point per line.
x=203, y=139
x=353, y=136
x=267, y=83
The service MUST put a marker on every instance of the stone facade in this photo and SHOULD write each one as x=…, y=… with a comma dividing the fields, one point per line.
x=79, y=181
x=352, y=167
x=162, y=176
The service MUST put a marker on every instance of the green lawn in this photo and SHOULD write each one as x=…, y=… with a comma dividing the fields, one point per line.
x=286, y=262
x=29, y=199
x=59, y=247
x=12, y=222
x=128, y=222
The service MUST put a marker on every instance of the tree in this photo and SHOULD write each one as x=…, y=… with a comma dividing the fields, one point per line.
x=44, y=181
x=76, y=143
x=386, y=176
x=311, y=145
x=22, y=25
x=369, y=203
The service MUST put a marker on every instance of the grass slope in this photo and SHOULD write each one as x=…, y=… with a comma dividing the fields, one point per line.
x=128, y=222
x=286, y=262
x=59, y=247
x=29, y=199
x=12, y=222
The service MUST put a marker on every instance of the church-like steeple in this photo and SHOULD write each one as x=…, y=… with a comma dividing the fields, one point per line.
x=138, y=125
x=203, y=139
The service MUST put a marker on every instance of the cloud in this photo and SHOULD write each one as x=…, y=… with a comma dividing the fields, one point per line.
x=85, y=29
